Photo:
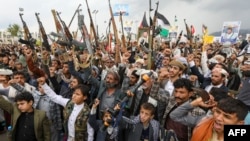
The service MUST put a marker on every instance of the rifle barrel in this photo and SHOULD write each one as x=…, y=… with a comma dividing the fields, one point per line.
x=92, y=25
x=74, y=15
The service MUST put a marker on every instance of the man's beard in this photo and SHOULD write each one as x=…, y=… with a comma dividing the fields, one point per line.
x=110, y=85
x=215, y=83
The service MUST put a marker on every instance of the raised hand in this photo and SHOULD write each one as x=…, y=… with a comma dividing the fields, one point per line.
x=41, y=90
x=12, y=81
x=117, y=107
x=41, y=80
x=199, y=102
x=190, y=57
x=70, y=55
x=52, y=71
x=193, y=78
x=96, y=103
x=162, y=75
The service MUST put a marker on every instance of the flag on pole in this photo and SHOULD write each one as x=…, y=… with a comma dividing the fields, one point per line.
x=164, y=29
x=208, y=39
x=192, y=30
x=163, y=24
x=163, y=18
x=144, y=22
x=164, y=32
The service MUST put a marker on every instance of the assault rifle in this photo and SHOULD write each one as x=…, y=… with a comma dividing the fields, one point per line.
x=70, y=41
x=28, y=38
x=65, y=28
x=44, y=35
x=84, y=31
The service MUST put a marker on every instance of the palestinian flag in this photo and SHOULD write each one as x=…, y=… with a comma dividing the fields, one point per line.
x=163, y=24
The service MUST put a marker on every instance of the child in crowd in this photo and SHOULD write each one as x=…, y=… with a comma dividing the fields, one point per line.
x=104, y=128
x=143, y=127
x=27, y=123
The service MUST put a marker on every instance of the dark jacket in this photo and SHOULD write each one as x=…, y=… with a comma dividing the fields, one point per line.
x=205, y=81
x=136, y=127
x=118, y=96
x=244, y=93
x=87, y=79
x=98, y=126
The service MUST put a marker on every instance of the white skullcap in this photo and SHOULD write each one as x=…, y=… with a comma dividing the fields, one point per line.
x=222, y=71
x=6, y=72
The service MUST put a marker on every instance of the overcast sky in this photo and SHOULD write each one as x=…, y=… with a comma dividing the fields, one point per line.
x=212, y=13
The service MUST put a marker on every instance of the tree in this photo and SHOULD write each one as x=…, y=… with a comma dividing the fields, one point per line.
x=14, y=29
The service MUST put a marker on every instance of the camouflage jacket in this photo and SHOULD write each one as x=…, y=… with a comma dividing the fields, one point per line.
x=81, y=133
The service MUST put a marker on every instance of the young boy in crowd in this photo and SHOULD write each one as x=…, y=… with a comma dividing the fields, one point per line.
x=143, y=127
x=27, y=123
x=103, y=128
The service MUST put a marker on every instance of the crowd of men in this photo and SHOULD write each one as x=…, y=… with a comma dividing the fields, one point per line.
x=71, y=95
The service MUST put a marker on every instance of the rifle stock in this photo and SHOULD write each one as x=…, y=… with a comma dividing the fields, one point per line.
x=59, y=28
x=44, y=35
x=124, y=48
x=117, y=41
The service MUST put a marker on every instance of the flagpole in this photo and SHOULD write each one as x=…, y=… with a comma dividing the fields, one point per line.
x=149, y=13
x=150, y=38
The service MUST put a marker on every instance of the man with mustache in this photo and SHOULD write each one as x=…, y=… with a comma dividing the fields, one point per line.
x=109, y=64
x=228, y=111
x=109, y=92
x=181, y=93
x=218, y=78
